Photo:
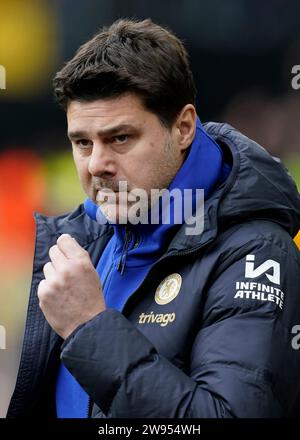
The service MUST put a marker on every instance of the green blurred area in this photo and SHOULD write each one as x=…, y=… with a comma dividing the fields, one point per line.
x=63, y=188
x=293, y=165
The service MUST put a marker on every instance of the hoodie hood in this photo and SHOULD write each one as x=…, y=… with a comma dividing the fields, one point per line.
x=258, y=187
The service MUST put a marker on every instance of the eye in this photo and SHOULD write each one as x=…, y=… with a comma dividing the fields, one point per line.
x=83, y=143
x=120, y=139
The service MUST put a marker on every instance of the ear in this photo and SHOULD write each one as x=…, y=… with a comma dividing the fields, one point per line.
x=185, y=127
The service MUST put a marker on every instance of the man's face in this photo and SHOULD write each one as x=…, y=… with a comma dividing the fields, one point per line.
x=116, y=140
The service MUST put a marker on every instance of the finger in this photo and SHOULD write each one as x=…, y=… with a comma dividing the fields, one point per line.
x=40, y=289
x=58, y=259
x=49, y=270
x=69, y=246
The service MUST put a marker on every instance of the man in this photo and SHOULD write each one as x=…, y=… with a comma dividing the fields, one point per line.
x=133, y=318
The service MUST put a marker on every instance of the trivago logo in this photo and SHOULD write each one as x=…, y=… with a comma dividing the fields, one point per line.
x=2, y=338
x=162, y=319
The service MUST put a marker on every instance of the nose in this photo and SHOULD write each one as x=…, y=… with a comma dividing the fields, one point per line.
x=101, y=161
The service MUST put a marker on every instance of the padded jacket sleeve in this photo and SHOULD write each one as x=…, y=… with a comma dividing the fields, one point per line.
x=242, y=362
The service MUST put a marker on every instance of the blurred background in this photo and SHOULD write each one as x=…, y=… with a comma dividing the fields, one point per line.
x=242, y=53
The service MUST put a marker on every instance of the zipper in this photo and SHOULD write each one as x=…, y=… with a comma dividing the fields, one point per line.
x=106, y=278
x=89, y=408
x=122, y=261
x=90, y=402
x=121, y=268
x=128, y=237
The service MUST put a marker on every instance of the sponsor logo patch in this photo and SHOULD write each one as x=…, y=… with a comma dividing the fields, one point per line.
x=259, y=291
x=168, y=289
x=250, y=272
x=162, y=319
x=250, y=290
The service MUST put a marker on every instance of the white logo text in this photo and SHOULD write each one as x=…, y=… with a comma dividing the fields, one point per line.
x=250, y=272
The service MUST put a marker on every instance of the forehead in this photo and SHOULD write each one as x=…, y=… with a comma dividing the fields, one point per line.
x=102, y=113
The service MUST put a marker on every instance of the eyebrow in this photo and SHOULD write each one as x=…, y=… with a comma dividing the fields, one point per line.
x=103, y=132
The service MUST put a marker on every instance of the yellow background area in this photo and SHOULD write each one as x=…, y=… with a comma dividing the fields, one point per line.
x=297, y=239
x=28, y=45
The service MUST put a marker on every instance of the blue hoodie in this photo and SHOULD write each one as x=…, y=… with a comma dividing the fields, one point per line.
x=133, y=249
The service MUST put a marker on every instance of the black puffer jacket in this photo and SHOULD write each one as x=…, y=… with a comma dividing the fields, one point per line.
x=226, y=351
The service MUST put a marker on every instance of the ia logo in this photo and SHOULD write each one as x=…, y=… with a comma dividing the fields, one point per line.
x=264, y=268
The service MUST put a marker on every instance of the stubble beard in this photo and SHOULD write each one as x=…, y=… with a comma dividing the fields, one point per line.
x=117, y=212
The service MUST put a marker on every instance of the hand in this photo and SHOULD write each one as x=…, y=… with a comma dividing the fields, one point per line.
x=71, y=292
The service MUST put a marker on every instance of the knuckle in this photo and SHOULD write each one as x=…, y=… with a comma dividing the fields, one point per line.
x=62, y=237
x=81, y=261
x=55, y=285
x=41, y=290
x=46, y=267
x=84, y=264
x=53, y=249
x=85, y=261
x=65, y=273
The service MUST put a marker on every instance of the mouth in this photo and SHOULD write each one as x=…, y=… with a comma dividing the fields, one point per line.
x=110, y=197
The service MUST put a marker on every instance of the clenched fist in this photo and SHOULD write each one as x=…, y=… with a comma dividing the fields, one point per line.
x=71, y=292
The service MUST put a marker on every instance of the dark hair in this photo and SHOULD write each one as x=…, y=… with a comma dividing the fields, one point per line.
x=130, y=56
